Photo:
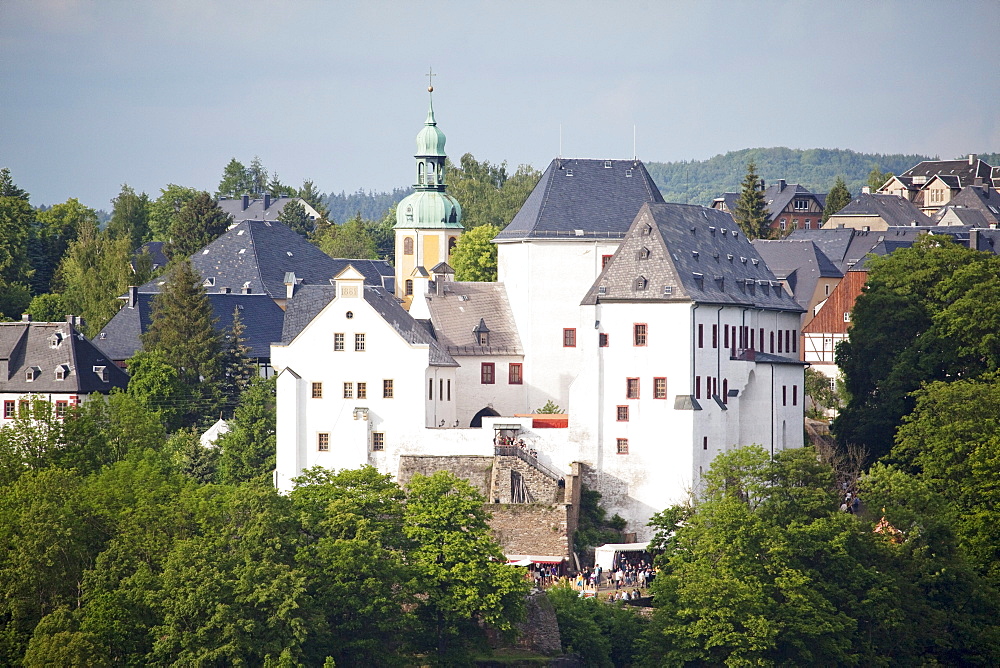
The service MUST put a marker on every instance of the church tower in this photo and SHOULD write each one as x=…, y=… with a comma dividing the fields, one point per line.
x=428, y=221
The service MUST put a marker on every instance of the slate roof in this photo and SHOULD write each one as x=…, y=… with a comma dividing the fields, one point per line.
x=894, y=210
x=974, y=198
x=155, y=250
x=311, y=299
x=598, y=198
x=266, y=208
x=960, y=172
x=261, y=317
x=777, y=197
x=257, y=254
x=24, y=345
x=457, y=311
x=700, y=254
x=847, y=248
x=798, y=262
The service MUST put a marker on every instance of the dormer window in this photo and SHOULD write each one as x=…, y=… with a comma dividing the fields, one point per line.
x=31, y=373
x=640, y=284
x=482, y=333
x=647, y=230
x=643, y=253
x=209, y=282
x=102, y=373
x=55, y=340
x=61, y=372
x=607, y=164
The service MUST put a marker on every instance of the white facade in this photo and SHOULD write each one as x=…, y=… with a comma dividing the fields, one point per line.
x=545, y=280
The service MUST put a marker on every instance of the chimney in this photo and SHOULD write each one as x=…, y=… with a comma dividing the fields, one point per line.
x=133, y=295
x=267, y=201
x=25, y=317
x=781, y=185
x=246, y=202
x=866, y=190
x=978, y=181
x=972, y=158
x=974, y=239
x=763, y=185
x=289, y=284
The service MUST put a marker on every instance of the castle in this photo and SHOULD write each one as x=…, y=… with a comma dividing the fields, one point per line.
x=656, y=327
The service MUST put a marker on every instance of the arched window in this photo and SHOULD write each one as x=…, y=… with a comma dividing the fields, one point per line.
x=452, y=241
x=408, y=246
x=420, y=173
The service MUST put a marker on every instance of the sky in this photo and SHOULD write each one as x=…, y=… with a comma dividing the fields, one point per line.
x=94, y=94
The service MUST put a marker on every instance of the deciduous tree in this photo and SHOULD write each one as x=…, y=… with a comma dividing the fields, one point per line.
x=130, y=217
x=348, y=240
x=475, y=256
x=94, y=273
x=166, y=208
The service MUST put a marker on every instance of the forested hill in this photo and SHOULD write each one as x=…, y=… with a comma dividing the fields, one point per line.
x=371, y=205
x=700, y=181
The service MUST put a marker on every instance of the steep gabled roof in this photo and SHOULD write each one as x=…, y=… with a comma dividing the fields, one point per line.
x=458, y=311
x=801, y=258
x=894, y=210
x=583, y=198
x=847, y=248
x=681, y=252
x=261, y=317
x=28, y=345
x=310, y=300
x=257, y=254
x=776, y=197
x=266, y=208
x=974, y=198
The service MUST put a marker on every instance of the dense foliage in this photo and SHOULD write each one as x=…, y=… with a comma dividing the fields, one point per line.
x=751, y=212
x=120, y=549
x=765, y=569
x=928, y=313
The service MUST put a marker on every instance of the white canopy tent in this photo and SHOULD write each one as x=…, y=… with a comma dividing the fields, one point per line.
x=605, y=555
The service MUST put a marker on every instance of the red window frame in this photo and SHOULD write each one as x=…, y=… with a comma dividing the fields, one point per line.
x=569, y=337
x=697, y=387
x=487, y=373
x=61, y=408
x=9, y=409
x=515, y=375
x=701, y=335
x=602, y=340
x=622, y=414
x=631, y=388
x=660, y=387
x=317, y=390
x=604, y=260
x=715, y=336
x=622, y=446
x=640, y=334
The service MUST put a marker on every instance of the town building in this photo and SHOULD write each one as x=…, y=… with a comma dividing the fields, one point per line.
x=263, y=208
x=54, y=362
x=931, y=184
x=253, y=268
x=790, y=206
x=878, y=212
x=656, y=327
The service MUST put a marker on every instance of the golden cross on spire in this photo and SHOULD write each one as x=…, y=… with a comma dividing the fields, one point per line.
x=430, y=84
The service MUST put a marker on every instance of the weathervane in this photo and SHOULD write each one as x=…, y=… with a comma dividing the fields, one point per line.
x=430, y=84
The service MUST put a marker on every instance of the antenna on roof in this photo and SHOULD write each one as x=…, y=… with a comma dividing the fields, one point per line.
x=560, y=141
x=634, y=154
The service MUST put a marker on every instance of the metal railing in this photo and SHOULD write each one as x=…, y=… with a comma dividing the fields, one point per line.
x=527, y=458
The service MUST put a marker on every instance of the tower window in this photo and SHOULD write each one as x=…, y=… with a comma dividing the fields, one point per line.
x=409, y=287
x=515, y=376
x=452, y=241
x=408, y=242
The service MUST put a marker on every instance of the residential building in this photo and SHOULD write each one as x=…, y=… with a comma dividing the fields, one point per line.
x=263, y=208
x=973, y=206
x=52, y=361
x=790, y=206
x=868, y=212
x=804, y=270
x=931, y=184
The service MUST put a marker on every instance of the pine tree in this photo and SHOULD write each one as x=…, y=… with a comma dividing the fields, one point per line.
x=235, y=180
x=295, y=217
x=751, y=211
x=314, y=198
x=838, y=197
x=237, y=367
x=198, y=224
x=183, y=329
